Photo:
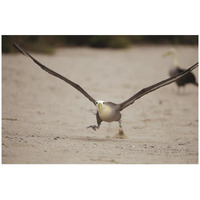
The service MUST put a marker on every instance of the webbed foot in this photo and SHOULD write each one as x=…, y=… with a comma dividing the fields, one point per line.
x=94, y=127
x=121, y=134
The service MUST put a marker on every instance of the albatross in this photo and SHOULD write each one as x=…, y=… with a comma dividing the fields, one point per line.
x=108, y=111
x=175, y=70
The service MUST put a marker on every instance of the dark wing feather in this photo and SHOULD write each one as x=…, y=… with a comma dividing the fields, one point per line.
x=80, y=89
x=188, y=78
x=154, y=87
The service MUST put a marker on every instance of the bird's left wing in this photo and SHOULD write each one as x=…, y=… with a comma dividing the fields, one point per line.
x=154, y=87
x=79, y=88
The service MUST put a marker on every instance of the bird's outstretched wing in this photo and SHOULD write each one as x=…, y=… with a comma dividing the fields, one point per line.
x=79, y=88
x=154, y=87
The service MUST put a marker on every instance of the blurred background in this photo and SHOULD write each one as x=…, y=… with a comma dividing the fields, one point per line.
x=46, y=44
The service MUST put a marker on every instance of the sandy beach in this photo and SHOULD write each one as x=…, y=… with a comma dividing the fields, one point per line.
x=44, y=119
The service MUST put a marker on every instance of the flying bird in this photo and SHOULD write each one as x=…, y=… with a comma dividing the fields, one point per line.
x=108, y=111
x=175, y=70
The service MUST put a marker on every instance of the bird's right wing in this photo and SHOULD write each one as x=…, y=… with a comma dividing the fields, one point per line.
x=154, y=87
x=79, y=88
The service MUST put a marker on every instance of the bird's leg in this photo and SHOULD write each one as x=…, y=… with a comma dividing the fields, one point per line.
x=184, y=89
x=178, y=91
x=95, y=127
x=181, y=90
x=121, y=132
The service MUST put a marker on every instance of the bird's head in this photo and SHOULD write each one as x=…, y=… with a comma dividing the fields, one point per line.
x=99, y=105
x=171, y=51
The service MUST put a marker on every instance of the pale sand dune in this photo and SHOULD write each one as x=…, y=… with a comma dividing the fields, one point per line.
x=45, y=119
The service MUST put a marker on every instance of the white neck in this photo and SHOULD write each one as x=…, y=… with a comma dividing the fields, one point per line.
x=175, y=62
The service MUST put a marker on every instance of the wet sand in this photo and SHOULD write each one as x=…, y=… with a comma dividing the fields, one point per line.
x=44, y=119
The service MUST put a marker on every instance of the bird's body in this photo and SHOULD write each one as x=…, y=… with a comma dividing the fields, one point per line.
x=181, y=82
x=107, y=111
x=175, y=70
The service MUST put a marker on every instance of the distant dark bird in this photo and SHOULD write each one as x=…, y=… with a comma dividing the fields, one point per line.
x=108, y=111
x=175, y=70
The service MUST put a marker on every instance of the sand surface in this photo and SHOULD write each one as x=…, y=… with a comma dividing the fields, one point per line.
x=44, y=119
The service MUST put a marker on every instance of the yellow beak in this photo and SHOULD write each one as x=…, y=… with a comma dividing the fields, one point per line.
x=166, y=54
x=99, y=107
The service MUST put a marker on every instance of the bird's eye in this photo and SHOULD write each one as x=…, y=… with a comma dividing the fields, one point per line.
x=96, y=103
x=103, y=102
